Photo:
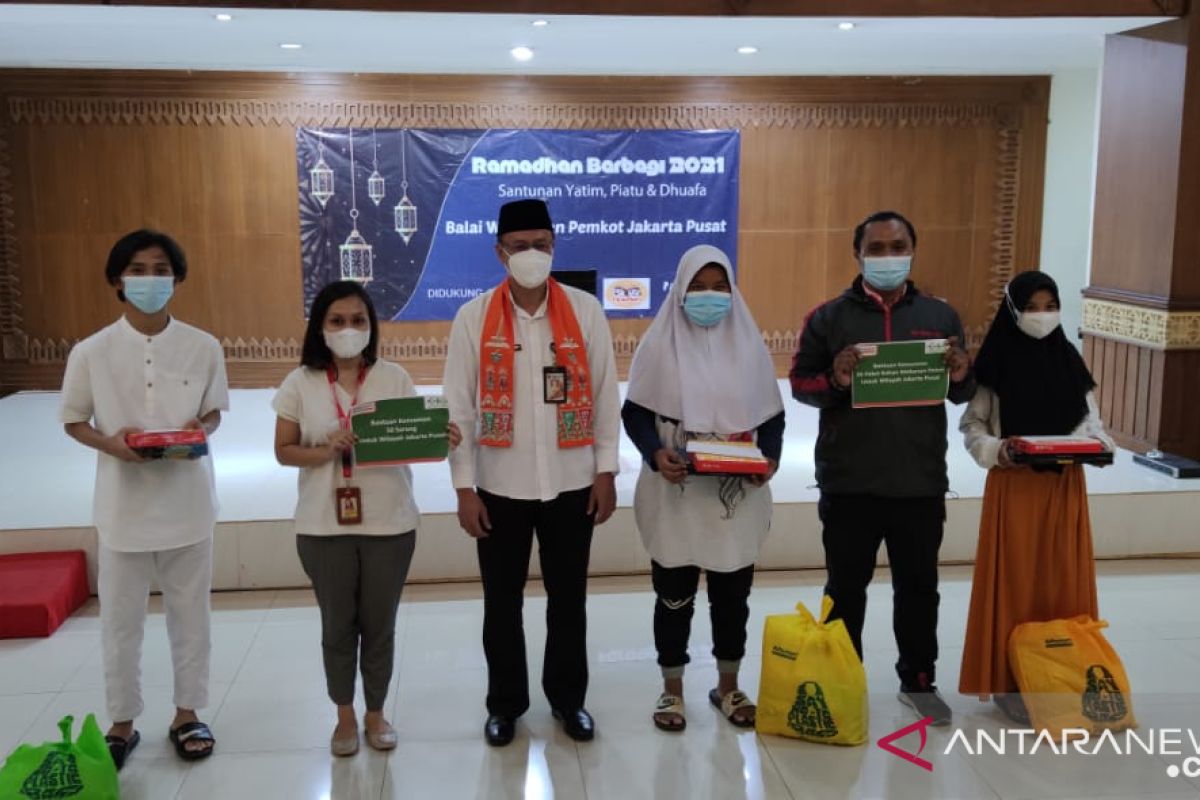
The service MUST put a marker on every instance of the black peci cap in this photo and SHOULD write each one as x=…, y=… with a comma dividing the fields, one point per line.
x=524, y=215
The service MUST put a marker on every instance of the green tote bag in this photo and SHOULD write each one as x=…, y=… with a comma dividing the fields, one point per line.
x=79, y=770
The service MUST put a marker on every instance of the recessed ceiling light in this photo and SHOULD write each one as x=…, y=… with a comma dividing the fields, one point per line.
x=540, y=23
x=522, y=53
x=846, y=26
x=291, y=46
x=222, y=17
x=748, y=50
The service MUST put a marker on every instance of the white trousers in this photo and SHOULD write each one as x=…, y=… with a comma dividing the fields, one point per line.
x=185, y=577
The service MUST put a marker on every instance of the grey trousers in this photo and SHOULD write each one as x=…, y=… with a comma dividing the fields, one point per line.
x=358, y=581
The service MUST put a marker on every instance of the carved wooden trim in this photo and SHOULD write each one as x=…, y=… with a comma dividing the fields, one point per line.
x=420, y=348
x=1140, y=299
x=420, y=114
x=12, y=341
x=1155, y=328
x=1004, y=216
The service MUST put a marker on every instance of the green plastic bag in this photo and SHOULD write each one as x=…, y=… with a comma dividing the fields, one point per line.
x=80, y=770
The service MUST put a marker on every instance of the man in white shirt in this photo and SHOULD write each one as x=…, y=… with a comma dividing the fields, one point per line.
x=531, y=381
x=154, y=517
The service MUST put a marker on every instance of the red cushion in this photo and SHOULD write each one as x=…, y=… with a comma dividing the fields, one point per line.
x=38, y=591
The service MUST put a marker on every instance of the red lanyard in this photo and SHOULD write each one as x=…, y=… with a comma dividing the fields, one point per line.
x=343, y=417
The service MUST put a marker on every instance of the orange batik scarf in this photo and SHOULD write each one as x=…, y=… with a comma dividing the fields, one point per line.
x=496, y=373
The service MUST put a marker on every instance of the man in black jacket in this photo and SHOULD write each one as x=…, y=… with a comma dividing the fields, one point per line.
x=882, y=471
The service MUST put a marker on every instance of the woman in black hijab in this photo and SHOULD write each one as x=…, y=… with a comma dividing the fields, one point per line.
x=1034, y=557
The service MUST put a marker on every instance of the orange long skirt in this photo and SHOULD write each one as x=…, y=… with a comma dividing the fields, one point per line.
x=1033, y=563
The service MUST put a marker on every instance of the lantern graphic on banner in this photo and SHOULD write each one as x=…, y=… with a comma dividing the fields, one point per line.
x=320, y=178
x=357, y=256
x=376, y=185
x=405, y=212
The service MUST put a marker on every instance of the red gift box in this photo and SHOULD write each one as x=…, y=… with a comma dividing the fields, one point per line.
x=1056, y=445
x=189, y=443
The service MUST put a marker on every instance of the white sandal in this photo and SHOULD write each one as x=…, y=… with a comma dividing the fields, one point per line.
x=669, y=704
x=344, y=746
x=386, y=739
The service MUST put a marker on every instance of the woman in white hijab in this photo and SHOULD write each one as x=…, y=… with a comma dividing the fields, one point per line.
x=702, y=372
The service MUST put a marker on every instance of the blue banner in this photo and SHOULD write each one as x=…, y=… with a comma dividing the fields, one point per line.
x=417, y=221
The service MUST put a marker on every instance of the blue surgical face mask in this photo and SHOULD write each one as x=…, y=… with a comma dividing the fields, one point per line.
x=886, y=272
x=706, y=309
x=149, y=293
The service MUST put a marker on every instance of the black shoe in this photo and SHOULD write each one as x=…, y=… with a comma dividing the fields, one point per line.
x=499, y=730
x=923, y=698
x=577, y=724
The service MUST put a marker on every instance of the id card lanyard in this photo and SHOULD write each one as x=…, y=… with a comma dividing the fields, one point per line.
x=347, y=498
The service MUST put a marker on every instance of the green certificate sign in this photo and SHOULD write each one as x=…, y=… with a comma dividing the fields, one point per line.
x=893, y=374
x=400, y=431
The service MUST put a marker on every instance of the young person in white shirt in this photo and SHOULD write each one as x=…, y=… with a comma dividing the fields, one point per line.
x=534, y=460
x=355, y=528
x=154, y=518
x=702, y=371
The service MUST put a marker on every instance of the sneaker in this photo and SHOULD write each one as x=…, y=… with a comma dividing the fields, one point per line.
x=924, y=698
x=1013, y=707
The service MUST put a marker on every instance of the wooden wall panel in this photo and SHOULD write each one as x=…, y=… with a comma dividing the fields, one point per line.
x=1146, y=394
x=1185, y=278
x=211, y=159
x=1141, y=104
x=1129, y=384
x=1141, y=423
x=1142, y=309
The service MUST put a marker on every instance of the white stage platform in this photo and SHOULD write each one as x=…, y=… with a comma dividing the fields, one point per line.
x=46, y=482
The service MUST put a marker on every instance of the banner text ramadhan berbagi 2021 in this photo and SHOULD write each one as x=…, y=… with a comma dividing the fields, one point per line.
x=625, y=203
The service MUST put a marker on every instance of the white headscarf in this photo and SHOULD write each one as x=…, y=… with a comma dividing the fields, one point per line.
x=714, y=380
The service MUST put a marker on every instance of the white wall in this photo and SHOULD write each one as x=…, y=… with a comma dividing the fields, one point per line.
x=1070, y=184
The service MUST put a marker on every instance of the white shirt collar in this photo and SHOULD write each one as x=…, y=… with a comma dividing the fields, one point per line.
x=537, y=314
x=128, y=328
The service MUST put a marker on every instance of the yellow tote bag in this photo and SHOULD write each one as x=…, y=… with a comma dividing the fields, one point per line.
x=1070, y=676
x=812, y=686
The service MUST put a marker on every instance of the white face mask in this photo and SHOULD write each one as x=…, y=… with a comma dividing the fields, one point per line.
x=529, y=268
x=348, y=342
x=1034, y=324
x=1038, y=324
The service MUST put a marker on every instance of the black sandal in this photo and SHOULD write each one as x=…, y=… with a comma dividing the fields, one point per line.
x=189, y=732
x=731, y=704
x=120, y=748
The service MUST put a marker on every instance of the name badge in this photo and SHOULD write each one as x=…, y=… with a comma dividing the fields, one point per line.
x=348, y=504
x=554, y=384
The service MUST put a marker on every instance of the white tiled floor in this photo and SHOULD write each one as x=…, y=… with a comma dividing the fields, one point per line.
x=273, y=721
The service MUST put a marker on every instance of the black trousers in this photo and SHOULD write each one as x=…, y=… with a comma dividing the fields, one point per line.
x=728, y=607
x=854, y=525
x=564, y=533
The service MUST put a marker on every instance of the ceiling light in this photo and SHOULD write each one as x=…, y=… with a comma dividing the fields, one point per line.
x=522, y=53
x=291, y=46
x=540, y=23
x=222, y=17
x=748, y=50
x=845, y=26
